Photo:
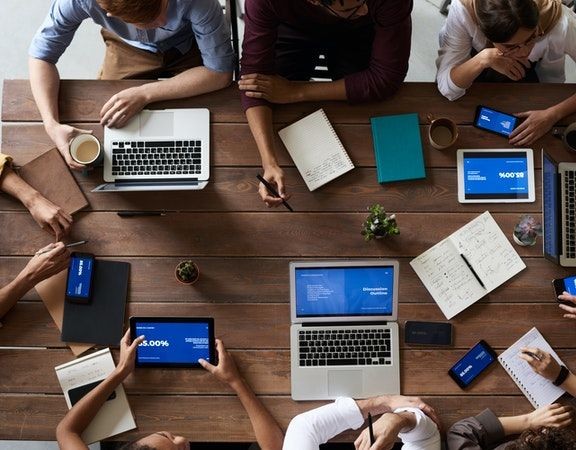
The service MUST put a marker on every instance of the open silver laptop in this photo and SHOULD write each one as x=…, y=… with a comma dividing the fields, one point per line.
x=344, y=336
x=160, y=150
x=558, y=210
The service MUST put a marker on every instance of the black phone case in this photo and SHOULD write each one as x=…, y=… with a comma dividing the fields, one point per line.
x=475, y=123
x=428, y=333
x=457, y=379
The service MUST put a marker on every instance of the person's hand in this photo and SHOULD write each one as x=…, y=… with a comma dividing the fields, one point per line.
x=386, y=430
x=49, y=216
x=273, y=88
x=536, y=125
x=128, y=354
x=555, y=416
x=386, y=403
x=275, y=176
x=61, y=135
x=226, y=370
x=570, y=310
x=513, y=68
x=547, y=366
x=122, y=106
x=47, y=261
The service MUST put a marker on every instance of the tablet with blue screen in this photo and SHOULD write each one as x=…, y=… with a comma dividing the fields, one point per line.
x=173, y=341
x=496, y=176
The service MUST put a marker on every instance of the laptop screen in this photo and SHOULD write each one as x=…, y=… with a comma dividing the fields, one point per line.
x=550, y=207
x=344, y=291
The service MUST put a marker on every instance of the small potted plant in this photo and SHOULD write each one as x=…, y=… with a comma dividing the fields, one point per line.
x=378, y=224
x=187, y=272
x=526, y=231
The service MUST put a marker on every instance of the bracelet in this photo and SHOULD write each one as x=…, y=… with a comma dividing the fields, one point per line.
x=561, y=378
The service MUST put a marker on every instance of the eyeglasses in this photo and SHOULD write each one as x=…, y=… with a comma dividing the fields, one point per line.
x=509, y=49
x=352, y=11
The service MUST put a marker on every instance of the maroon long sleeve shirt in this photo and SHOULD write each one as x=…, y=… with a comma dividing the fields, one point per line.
x=390, y=49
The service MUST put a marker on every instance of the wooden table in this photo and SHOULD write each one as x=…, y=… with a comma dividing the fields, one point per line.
x=243, y=250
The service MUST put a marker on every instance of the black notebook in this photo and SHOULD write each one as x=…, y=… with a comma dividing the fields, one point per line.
x=100, y=322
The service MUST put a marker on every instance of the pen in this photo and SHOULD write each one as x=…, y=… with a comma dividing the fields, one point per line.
x=140, y=213
x=273, y=191
x=72, y=244
x=472, y=270
x=370, y=429
x=533, y=355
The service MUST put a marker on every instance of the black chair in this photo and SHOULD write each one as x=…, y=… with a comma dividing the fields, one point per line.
x=231, y=14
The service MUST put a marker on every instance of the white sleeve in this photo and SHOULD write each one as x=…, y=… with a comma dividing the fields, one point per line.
x=455, y=47
x=571, y=34
x=312, y=428
x=424, y=436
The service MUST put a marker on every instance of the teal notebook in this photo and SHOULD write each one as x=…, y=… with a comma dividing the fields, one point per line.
x=398, y=148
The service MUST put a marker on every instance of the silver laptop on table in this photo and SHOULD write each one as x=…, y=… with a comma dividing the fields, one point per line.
x=160, y=150
x=558, y=210
x=344, y=337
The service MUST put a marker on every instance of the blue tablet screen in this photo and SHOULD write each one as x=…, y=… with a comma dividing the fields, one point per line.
x=173, y=342
x=344, y=291
x=79, y=276
x=498, y=122
x=472, y=364
x=495, y=175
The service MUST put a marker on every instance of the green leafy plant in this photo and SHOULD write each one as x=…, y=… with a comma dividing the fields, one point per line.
x=527, y=230
x=187, y=272
x=378, y=224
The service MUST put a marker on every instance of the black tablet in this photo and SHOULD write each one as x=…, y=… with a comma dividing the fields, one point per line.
x=173, y=341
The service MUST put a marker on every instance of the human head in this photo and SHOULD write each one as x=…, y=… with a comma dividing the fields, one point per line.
x=545, y=438
x=162, y=440
x=145, y=14
x=501, y=20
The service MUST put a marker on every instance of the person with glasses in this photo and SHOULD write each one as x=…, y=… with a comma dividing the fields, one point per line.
x=508, y=41
x=365, y=43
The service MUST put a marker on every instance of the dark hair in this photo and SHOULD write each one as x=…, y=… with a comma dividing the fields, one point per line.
x=130, y=11
x=330, y=2
x=134, y=445
x=545, y=438
x=499, y=20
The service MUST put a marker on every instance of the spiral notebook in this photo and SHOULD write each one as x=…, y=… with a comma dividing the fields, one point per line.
x=536, y=388
x=316, y=149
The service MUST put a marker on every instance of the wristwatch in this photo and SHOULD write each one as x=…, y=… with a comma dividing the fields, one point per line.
x=561, y=378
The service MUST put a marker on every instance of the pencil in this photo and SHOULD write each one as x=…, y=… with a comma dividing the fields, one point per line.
x=72, y=244
x=273, y=191
x=371, y=429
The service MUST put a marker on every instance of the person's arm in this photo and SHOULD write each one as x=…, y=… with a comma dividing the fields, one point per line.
x=545, y=365
x=46, y=214
x=268, y=433
x=475, y=433
x=71, y=427
x=570, y=311
x=40, y=267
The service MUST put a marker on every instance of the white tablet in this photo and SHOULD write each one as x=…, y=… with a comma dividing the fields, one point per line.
x=496, y=176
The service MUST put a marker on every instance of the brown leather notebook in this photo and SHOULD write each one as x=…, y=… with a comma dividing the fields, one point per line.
x=49, y=175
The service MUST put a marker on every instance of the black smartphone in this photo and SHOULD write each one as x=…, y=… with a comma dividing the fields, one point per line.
x=472, y=364
x=567, y=284
x=428, y=333
x=77, y=393
x=497, y=122
x=80, y=277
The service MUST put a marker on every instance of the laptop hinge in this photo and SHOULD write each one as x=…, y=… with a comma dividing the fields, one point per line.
x=342, y=324
x=162, y=181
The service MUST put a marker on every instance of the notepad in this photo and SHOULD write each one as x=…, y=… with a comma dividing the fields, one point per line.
x=448, y=278
x=78, y=376
x=536, y=388
x=316, y=149
x=397, y=148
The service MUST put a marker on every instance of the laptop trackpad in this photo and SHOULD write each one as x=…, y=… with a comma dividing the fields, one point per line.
x=345, y=383
x=156, y=123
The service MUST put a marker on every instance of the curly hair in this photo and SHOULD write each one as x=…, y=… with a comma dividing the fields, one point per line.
x=134, y=445
x=500, y=20
x=545, y=438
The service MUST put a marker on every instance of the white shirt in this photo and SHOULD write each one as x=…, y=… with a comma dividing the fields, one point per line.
x=312, y=428
x=460, y=34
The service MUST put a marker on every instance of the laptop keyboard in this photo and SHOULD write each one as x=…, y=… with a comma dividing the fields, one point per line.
x=569, y=202
x=345, y=347
x=156, y=158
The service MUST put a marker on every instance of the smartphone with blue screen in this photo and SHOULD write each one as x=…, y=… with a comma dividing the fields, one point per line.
x=494, y=121
x=80, y=278
x=567, y=284
x=472, y=364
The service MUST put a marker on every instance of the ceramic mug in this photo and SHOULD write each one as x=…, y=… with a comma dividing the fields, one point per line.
x=85, y=149
x=442, y=132
x=568, y=136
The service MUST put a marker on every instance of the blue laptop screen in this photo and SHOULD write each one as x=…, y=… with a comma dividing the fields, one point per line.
x=550, y=207
x=495, y=175
x=344, y=291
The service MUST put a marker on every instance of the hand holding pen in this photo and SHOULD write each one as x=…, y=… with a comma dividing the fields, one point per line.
x=276, y=197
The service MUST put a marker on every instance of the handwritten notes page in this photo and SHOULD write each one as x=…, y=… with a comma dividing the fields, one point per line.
x=316, y=149
x=447, y=276
x=114, y=416
x=536, y=388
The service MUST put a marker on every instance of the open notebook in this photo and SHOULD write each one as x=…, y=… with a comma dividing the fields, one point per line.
x=536, y=388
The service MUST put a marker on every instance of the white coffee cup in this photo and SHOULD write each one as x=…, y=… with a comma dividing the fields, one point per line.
x=85, y=149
